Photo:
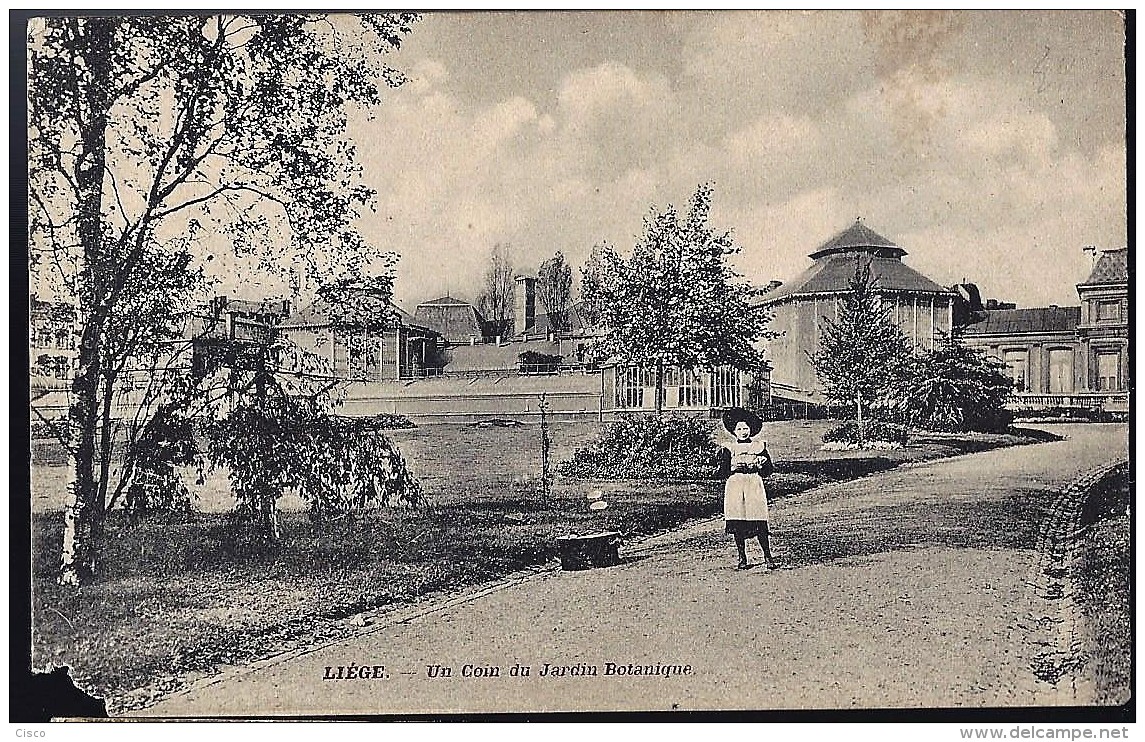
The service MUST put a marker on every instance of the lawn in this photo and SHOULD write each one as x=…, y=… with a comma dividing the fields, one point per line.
x=186, y=594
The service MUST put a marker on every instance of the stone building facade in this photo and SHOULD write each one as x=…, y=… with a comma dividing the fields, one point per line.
x=1063, y=357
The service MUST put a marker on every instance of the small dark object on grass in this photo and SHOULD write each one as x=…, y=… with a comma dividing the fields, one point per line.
x=586, y=552
x=498, y=422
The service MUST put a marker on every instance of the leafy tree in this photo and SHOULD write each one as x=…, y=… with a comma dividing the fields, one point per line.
x=590, y=309
x=276, y=437
x=496, y=301
x=554, y=289
x=953, y=387
x=166, y=441
x=863, y=351
x=675, y=301
x=214, y=128
x=358, y=304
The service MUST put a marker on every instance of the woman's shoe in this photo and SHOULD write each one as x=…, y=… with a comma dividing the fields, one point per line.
x=743, y=564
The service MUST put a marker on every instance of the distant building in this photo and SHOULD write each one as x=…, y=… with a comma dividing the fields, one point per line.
x=363, y=337
x=457, y=321
x=524, y=304
x=921, y=306
x=52, y=345
x=633, y=389
x=228, y=333
x=1065, y=357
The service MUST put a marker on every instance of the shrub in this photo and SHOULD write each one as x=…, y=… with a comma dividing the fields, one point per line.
x=167, y=441
x=51, y=429
x=382, y=421
x=531, y=360
x=1060, y=413
x=647, y=447
x=337, y=464
x=953, y=388
x=873, y=431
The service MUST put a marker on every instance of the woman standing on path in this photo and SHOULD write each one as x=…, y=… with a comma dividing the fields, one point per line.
x=744, y=462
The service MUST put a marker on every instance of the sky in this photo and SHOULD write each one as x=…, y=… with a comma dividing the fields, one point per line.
x=989, y=145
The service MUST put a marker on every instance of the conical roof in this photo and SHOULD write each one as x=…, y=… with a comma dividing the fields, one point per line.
x=835, y=263
x=445, y=301
x=859, y=238
x=1111, y=267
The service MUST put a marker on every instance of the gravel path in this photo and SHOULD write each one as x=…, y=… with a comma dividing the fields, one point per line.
x=904, y=589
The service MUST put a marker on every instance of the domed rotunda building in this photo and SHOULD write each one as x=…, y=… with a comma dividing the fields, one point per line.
x=922, y=307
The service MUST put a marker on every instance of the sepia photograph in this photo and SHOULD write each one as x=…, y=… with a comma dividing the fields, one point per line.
x=586, y=365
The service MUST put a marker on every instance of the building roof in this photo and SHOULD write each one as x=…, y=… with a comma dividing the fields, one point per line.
x=272, y=307
x=1027, y=321
x=858, y=238
x=832, y=274
x=456, y=320
x=445, y=301
x=1111, y=267
x=322, y=313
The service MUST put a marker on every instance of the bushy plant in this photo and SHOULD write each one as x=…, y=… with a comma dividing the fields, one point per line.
x=384, y=421
x=867, y=431
x=166, y=441
x=531, y=360
x=276, y=440
x=953, y=388
x=1060, y=413
x=648, y=446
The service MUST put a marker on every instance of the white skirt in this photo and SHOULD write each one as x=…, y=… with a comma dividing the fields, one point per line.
x=745, y=498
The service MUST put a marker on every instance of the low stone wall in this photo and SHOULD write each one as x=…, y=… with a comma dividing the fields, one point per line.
x=458, y=400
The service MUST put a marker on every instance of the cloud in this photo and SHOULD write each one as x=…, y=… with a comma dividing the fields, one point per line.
x=802, y=121
x=426, y=74
x=503, y=120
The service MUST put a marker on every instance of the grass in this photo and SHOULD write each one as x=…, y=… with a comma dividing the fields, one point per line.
x=181, y=594
x=1103, y=577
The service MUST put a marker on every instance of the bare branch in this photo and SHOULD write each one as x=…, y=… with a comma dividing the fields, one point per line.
x=118, y=200
x=217, y=192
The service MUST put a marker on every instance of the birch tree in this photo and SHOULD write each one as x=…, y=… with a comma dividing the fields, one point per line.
x=231, y=129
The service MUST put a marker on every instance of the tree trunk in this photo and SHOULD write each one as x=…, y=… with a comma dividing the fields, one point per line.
x=659, y=388
x=268, y=517
x=106, y=440
x=859, y=417
x=82, y=509
x=83, y=521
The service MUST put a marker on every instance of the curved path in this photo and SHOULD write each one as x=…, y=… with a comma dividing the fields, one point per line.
x=904, y=589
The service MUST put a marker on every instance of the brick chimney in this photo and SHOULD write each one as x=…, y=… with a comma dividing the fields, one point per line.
x=524, y=304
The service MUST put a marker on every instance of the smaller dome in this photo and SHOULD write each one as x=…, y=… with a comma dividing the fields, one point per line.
x=859, y=238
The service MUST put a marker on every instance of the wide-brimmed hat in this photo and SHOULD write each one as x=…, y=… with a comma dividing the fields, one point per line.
x=736, y=415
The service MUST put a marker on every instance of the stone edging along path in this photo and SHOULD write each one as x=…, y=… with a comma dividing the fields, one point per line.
x=1052, y=612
